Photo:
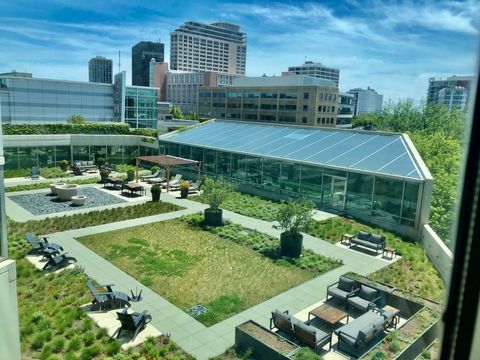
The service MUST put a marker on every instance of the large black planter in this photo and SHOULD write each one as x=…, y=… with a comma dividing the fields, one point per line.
x=213, y=217
x=291, y=244
x=156, y=196
x=183, y=193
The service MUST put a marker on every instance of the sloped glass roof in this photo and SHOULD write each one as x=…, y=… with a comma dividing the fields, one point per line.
x=356, y=150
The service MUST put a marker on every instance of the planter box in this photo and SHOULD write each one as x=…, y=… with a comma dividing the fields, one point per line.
x=264, y=343
x=414, y=350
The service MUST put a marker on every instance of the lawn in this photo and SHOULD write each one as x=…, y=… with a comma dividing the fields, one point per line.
x=190, y=266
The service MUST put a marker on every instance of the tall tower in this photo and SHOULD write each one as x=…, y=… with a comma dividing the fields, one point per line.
x=142, y=54
x=100, y=70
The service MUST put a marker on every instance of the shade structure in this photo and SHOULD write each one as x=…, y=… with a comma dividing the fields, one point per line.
x=167, y=161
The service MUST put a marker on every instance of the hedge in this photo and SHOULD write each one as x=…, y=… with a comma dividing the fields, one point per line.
x=89, y=128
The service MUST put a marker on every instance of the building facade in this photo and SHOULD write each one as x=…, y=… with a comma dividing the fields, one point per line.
x=219, y=47
x=366, y=101
x=183, y=87
x=288, y=99
x=435, y=95
x=345, y=110
x=309, y=68
x=100, y=70
x=141, y=107
x=28, y=100
x=142, y=53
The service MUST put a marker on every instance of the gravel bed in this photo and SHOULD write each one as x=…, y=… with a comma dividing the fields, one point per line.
x=42, y=203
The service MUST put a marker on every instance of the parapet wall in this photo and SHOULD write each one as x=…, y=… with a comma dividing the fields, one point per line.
x=440, y=255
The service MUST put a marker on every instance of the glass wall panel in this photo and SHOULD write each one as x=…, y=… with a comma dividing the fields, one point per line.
x=147, y=151
x=409, y=207
x=80, y=153
x=387, y=199
x=98, y=152
x=254, y=169
x=209, y=161
x=223, y=164
x=271, y=173
x=290, y=176
x=131, y=152
x=46, y=156
x=27, y=157
x=197, y=153
x=359, y=193
x=238, y=167
x=115, y=154
x=63, y=153
x=185, y=151
x=311, y=181
x=174, y=149
x=11, y=158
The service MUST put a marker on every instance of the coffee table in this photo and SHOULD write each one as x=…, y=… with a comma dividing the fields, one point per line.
x=329, y=314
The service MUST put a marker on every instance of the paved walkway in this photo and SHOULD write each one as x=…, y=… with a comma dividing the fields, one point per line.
x=189, y=334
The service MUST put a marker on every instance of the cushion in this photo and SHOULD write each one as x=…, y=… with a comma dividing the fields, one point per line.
x=307, y=328
x=338, y=293
x=367, y=293
x=282, y=321
x=346, y=284
x=363, y=235
x=377, y=239
x=83, y=163
x=89, y=162
x=359, y=303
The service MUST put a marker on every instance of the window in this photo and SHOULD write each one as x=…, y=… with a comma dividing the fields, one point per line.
x=304, y=120
x=305, y=107
x=305, y=96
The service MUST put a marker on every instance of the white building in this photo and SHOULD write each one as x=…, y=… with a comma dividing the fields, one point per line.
x=219, y=47
x=316, y=70
x=366, y=101
x=454, y=97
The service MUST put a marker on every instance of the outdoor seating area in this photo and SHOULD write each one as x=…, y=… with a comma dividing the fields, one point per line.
x=369, y=241
x=47, y=256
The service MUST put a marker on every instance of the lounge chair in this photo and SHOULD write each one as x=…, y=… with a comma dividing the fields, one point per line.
x=154, y=175
x=195, y=187
x=59, y=260
x=282, y=321
x=341, y=289
x=41, y=245
x=109, y=299
x=133, y=323
x=157, y=180
x=174, y=182
x=311, y=336
x=364, y=298
x=35, y=173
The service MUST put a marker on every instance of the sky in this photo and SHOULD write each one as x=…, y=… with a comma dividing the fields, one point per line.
x=391, y=46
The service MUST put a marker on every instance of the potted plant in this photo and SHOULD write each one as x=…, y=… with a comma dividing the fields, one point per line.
x=64, y=165
x=100, y=162
x=103, y=175
x=156, y=190
x=293, y=217
x=130, y=174
x=184, y=188
x=215, y=192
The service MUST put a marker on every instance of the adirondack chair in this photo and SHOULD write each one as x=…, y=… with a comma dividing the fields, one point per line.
x=108, y=299
x=133, y=323
x=57, y=261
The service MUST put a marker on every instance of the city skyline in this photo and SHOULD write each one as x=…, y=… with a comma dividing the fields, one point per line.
x=391, y=47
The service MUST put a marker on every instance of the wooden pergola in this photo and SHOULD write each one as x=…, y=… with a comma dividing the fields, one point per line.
x=167, y=161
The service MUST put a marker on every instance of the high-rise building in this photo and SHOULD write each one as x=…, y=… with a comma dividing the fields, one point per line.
x=294, y=99
x=454, y=97
x=316, y=70
x=345, y=110
x=219, y=47
x=100, y=70
x=366, y=101
x=158, y=78
x=142, y=53
x=434, y=95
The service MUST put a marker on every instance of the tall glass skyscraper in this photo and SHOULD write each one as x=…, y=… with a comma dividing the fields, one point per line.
x=142, y=53
x=100, y=70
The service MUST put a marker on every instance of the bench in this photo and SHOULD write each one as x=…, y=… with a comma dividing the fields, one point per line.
x=368, y=240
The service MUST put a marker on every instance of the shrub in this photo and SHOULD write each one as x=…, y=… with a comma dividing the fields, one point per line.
x=100, y=161
x=294, y=216
x=57, y=344
x=63, y=165
x=90, y=352
x=184, y=185
x=111, y=128
x=216, y=192
x=154, y=169
x=76, y=119
x=103, y=173
x=75, y=344
x=306, y=354
x=88, y=338
x=112, y=348
x=50, y=173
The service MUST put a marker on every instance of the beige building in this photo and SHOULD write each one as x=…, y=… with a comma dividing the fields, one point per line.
x=284, y=99
x=219, y=47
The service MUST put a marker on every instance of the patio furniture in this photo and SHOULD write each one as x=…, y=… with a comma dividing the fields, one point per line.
x=65, y=192
x=364, y=298
x=78, y=200
x=35, y=173
x=195, y=187
x=341, y=289
x=354, y=337
x=311, y=336
x=108, y=167
x=77, y=171
x=53, y=187
x=346, y=238
x=108, y=299
x=282, y=321
x=154, y=175
x=133, y=188
x=391, y=315
x=59, y=260
x=391, y=251
x=174, y=182
x=132, y=323
x=115, y=181
x=157, y=180
x=41, y=244
x=368, y=240
x=329, y=314
x=84, y=165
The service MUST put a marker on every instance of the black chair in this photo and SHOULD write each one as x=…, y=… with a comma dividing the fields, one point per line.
x=35, y=173
x=132, y=323
x=57, y=261
x=41, y=245
x=108, y=299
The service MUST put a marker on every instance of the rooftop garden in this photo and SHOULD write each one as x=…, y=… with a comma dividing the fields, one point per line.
x=227, y=269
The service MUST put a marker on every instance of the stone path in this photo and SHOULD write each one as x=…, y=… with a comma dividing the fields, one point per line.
x=189, y=334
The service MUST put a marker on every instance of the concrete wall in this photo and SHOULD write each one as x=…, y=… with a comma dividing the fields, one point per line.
x=440, y=255
x=9, y=328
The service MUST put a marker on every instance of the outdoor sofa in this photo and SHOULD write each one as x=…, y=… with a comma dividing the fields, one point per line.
x=341, y=289
x=355, y=336
x=368, y=240
x=85, y=165
x=364, y=298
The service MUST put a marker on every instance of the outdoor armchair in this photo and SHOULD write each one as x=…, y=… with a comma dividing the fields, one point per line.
x=133, y=323
x=343, y=288
x=108, y=299
x=60, y=260
x=364, y=298
x=283, y=321
x=41, y=245
x=311, y=336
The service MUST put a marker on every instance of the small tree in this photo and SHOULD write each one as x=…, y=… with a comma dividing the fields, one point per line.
x=176, y=112
x=216, y=192
x=294, y=216
x=76, y=119
x=191, y=116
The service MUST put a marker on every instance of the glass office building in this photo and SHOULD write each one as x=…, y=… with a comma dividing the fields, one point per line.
x=378, y=177
x=141, y=107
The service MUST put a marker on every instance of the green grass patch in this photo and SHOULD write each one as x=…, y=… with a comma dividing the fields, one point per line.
x=189, y=265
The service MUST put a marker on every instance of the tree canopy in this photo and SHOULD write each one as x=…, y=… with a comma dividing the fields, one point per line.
x=76, y=119
x=176, y=112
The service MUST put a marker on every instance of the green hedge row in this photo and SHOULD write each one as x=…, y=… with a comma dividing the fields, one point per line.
x=109, y=128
